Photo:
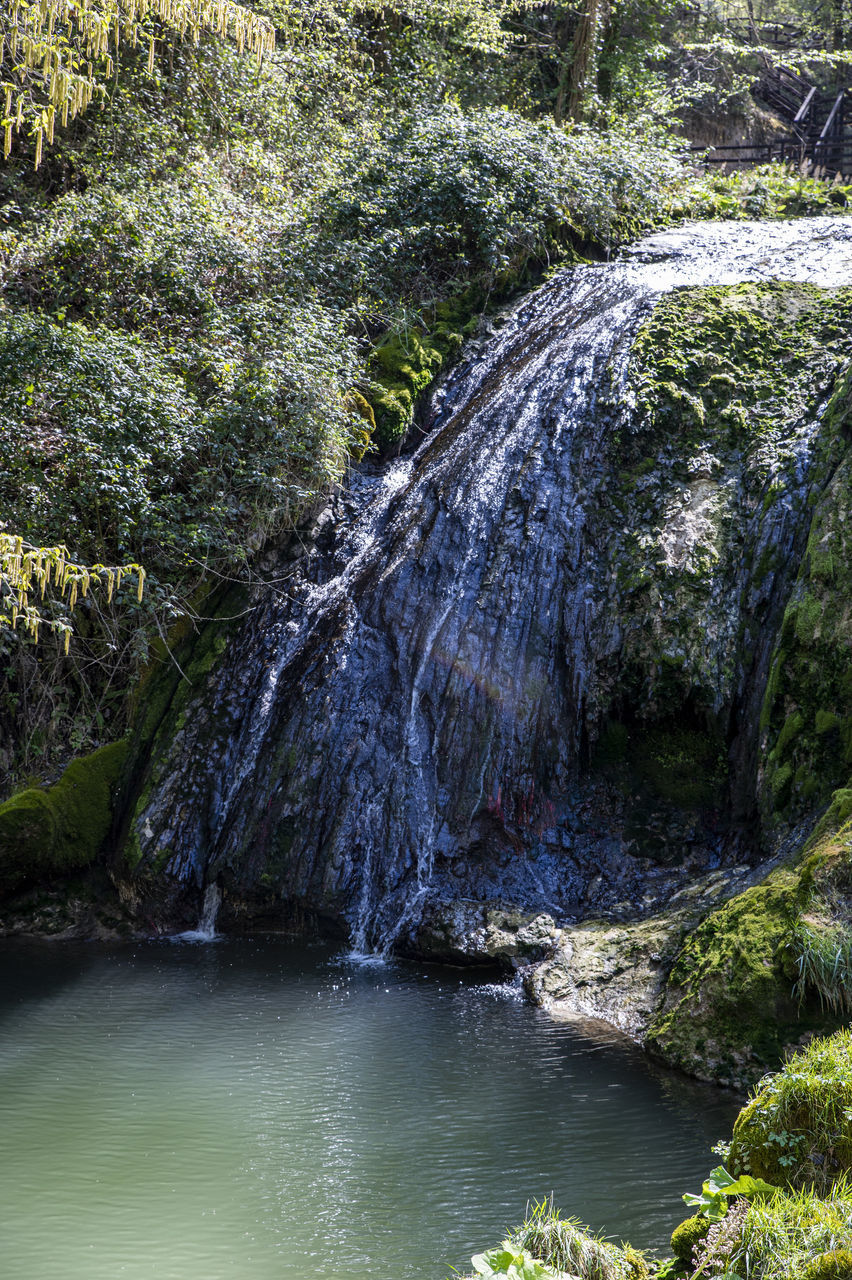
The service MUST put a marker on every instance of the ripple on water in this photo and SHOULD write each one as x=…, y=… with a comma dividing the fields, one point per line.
x=278, y=1112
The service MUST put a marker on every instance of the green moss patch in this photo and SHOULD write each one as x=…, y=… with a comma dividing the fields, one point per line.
x=47, y=833
x=835, y=1264
x=807, y=711
x=728, y=1010
x=797, y=1128
x=687, y=1235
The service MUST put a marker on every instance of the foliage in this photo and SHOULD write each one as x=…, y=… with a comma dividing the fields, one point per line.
x=446, y=195
x=766, y=191
x=132, y=457
x=27, y=571
x=797, y=1128
x=510, y=1261
x=719, y=1187
x=784, y=1235
x=57, y=54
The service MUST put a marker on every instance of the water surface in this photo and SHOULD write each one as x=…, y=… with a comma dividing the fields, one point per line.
x=263, y=1110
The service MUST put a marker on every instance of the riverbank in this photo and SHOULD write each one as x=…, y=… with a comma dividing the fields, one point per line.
x=782, y=1210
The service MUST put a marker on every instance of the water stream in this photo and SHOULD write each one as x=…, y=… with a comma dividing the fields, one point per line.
x=265, y=1111
x=410, y=712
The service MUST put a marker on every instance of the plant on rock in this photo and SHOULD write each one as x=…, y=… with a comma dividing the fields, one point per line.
x=797, y=1128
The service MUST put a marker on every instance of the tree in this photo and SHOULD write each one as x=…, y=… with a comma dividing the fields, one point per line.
x=56, y=54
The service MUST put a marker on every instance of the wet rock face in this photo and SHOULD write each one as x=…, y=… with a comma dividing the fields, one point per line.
x=448, y=698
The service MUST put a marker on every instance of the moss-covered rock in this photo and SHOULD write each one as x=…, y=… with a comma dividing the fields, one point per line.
x=797, y=1128
x=834, y=1265
x=728, y=1010
x=806, y=718
x=46, y=833
x=687, y=1235
x=404, y=363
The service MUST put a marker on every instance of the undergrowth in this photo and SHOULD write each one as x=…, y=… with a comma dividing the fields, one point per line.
x=797, y=1128
x=563, y=1246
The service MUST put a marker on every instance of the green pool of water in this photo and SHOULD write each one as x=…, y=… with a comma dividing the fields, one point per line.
x=268, y=1111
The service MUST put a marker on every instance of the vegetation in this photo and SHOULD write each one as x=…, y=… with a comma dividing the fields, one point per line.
x=797, y=1128
x=56, y=56
x=47, y=832
x=547, y=1246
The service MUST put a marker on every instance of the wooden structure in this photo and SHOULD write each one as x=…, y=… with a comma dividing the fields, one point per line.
x=817, y=120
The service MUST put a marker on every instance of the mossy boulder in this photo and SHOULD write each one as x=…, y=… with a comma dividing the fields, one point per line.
x=687, y=1235
x=834, y=1265
x=797, y=1129
x=728, y=1009
x=47, y=832
x=806, y=719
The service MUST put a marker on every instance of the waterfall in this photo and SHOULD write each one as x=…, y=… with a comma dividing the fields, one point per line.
x=205, y=930
x=413, y=716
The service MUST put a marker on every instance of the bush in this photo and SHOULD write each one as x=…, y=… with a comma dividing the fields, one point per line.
x=448, y=195
x=134, y=451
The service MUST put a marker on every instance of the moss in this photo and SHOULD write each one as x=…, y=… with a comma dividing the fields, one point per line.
x=834, y=1265
x=728, y=1010
x=360, y=407
x=403, y=365
x=686, y=1236
x=797, y=1129
x=178, y=667
x=806, y=708
x=47, y=833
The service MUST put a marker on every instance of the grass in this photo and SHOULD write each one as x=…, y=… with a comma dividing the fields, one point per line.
x=784, y=1234
x=797, y=1128
x=824, y=962
x=565, y=1245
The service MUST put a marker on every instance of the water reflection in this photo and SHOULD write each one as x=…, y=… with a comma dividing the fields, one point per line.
x=263, y=1109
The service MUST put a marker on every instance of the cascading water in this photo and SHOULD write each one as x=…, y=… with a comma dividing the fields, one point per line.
x=205, y=930
x=414, y=714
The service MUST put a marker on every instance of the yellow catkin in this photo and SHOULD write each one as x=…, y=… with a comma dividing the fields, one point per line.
x=48, y=64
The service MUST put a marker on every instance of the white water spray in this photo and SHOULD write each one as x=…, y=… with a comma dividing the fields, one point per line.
x=206, y=929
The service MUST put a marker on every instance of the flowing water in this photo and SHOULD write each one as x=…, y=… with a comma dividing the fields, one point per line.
x=273, y=1112
x=411, y=709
